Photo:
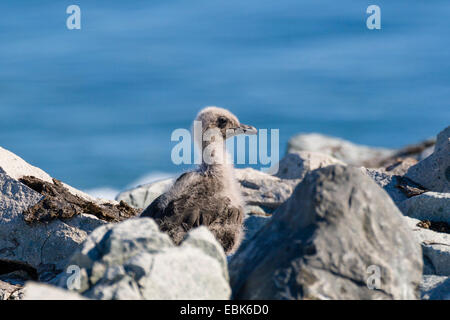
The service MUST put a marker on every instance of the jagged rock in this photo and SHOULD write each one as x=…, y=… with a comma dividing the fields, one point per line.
x=435, y=248
x=134, y=260
x=434, y=172
x=17, y=168
x=297, y=164
x=400, y=166
x=340, y=149
x=252, y=224
x=40, y=291
x=262, y=189
x=388, y=182
x=142, y=196
x=38, y=243
x=435, y=288
x=431, y=206
x=320, y=243
x=10, y=291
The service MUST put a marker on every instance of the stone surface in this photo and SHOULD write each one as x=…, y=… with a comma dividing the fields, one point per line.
x=10, y=291
x=340, y=149
x=388, y=182
x=17, y=168
x=262, y=189
x=321, y=242
x=431, y=206
x=252, y=224
x=435, y=248
x=134, y=260
x=434, y=171
x=40, y=243
x=40, y=291
x=400, y=166
x=296, y=165
x=142, y=196
x=435, y=288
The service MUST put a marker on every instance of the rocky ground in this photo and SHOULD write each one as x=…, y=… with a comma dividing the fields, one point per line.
x=337, y=221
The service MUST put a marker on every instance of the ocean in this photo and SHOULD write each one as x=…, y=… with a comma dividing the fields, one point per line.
x=96, y=107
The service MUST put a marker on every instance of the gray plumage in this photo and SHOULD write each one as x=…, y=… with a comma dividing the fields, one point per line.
x=210, y=195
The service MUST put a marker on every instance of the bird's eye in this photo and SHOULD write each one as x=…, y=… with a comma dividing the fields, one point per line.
x=222, y=122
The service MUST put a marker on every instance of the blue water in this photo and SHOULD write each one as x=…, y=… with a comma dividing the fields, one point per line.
x=95, y=107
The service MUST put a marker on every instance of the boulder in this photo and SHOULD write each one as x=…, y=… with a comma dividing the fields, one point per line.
x=262, y=189
x=40, y=291
x=340, y=149
x=435, y=248
x=435, y=288
x=388, y=182
x=434, y=171
x=331, y=240
x=252, y=224
x=17, y=168
x=134, y=260
x=10, y=291
x=39, y=243
x=142, y=196
x=433, y=206
x=297, y=164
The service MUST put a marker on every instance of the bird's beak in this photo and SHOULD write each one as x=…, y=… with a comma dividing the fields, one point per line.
x=245, y=129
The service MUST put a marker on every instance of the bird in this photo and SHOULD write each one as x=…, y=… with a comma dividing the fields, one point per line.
x=209, y=195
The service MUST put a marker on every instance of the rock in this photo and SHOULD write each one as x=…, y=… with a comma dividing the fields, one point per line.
x=39, y=243
x=400, y=166
x=296, y=165
x=431, y=206
x=142, y=196
x=262, y=189
x=134, y=260
x=388, y=182
x=40, y=291
x=9, y=291
x=435, y=288
x=340, y=149
x=324, y=241
x=434, y=172
x=17, y=168
x=435, y=248
x=252, y=224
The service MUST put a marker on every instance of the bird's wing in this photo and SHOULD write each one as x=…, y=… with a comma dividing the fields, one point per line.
x=158, y=208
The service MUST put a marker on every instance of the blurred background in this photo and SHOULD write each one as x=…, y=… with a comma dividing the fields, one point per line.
x=96, y=107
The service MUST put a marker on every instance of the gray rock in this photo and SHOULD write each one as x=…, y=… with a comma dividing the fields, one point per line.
x=252, y=224
x=142, y=196
x=10, y=291
x=17, y=168
x=431, y=206
x=323, y=241
x=40, y=291
x=435, y=248
x=262, y=189
x=388, y=182
x=435, y=288
x=39, y=243
x=297, y=164
x=338, y=148
x=134, y=260
x=434, y=172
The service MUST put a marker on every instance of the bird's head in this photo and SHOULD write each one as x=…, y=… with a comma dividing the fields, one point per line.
x=223, y=121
